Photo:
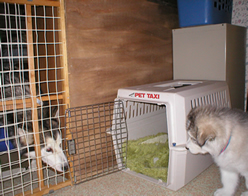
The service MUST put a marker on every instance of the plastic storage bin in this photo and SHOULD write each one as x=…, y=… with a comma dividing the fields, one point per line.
x=162, y=107
x=201, y=12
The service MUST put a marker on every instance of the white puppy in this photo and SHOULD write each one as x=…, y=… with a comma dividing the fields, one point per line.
x=222, y=132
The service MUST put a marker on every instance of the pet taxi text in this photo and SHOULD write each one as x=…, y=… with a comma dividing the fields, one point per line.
x=146, y=95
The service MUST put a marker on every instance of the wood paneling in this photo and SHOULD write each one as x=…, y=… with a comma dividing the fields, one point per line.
x=113, y=44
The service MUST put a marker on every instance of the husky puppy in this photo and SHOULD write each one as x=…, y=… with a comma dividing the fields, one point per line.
x=15, y=84
x=50, y=138
x=222, y=132
x=51, y=150
x=50, y=142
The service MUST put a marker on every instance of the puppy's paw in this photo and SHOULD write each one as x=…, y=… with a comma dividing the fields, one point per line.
x=222, y=192
x=33, y=166
x=244, y=193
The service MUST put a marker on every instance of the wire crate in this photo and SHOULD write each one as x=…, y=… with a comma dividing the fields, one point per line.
x=32, y=96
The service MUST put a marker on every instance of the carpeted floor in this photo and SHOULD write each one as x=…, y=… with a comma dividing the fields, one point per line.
x=121, y=183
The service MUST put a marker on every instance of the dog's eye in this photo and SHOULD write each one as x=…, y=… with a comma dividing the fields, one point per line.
x=211, y=139
x=49, y=150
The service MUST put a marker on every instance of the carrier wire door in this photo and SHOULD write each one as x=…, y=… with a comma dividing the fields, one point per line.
x=99, y=140
x=33, y=81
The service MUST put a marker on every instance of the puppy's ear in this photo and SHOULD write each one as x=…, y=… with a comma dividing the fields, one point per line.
x=55, y=112
x=190, y=122
x=204, y=134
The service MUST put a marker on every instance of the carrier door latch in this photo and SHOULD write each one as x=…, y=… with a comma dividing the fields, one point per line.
x=71, y=147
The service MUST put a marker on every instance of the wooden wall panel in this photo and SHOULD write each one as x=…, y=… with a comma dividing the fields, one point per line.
x=114, y=44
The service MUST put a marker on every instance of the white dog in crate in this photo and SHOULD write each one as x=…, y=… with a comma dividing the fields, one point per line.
x=51, y=149
x=17, y=125
x=23, y=138
x=222, y=132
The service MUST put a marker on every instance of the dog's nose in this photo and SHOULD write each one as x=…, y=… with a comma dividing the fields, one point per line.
x=65, y=168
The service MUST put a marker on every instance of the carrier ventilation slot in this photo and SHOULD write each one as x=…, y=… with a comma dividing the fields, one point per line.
x=98, y=133
x=135, y=109
x=217, y=98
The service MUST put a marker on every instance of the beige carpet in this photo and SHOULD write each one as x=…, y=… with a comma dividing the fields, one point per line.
x=121, y=183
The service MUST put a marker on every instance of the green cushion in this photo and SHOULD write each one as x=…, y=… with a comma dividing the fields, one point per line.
x=149, y=156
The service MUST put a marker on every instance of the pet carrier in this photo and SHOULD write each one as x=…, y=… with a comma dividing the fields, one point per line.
x=142, y=132
x=154, y=109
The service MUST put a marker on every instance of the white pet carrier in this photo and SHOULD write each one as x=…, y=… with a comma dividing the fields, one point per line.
x=162, y=107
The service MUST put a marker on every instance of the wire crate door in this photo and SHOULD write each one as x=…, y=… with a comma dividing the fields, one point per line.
x=98, y=140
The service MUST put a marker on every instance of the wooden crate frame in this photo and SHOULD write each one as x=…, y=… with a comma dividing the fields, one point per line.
x=32, y=102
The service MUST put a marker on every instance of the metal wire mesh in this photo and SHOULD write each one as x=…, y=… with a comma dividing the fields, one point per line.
x=98, y=140
x=31, y=96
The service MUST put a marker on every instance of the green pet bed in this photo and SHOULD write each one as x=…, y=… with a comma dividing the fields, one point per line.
x=149, y=156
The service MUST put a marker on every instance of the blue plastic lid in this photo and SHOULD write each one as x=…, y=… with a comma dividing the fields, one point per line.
x=5, y=144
